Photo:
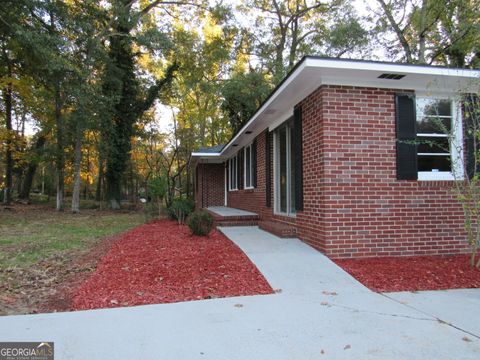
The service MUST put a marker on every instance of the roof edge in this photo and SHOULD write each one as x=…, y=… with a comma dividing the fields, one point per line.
x=304, y=62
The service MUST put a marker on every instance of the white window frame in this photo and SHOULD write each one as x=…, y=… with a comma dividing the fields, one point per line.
x=248, y=182
x=233, y=173
x=276, y=178
x=456, y=144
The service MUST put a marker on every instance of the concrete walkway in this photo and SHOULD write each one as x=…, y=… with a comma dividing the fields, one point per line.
x=319, y=312
x=227, y=211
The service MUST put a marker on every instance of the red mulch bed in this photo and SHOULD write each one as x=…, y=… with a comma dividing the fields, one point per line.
x=413, y=273
x=162, y=262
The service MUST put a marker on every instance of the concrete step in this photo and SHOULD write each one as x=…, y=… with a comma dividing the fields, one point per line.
x=238, y=220
x=279, y=229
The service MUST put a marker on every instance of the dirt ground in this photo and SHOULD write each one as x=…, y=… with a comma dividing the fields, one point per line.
x=45, y=255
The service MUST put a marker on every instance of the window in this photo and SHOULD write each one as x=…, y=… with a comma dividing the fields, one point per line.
x=249, y=167
x=284, y=170
x=233, y=175
x=438, y=135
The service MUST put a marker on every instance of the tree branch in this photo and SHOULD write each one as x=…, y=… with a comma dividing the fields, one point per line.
x=160, y=2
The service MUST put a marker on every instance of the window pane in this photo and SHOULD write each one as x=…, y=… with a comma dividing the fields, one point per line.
x=436, y=107
x=231, y=173
x=247, y=167
x=434, y=125
x=433, y=144
x=292, y=171
x=282, y=157
x=434, y=163
x=235, y=171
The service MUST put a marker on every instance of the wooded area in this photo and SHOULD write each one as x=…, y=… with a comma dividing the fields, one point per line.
x=86, y=86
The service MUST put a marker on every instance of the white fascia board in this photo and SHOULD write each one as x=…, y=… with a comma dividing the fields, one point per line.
x=197, y=154
x=404, y=68
x=267, y=104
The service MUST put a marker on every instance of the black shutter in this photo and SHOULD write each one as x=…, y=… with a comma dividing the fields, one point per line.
x=406, y=135
x=298, y=158
x=268, y=170
x=240, y=169
x=254, y=162
x=471, y=113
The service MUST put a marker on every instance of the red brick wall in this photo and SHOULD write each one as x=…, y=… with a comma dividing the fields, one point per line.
x=255, y=199
x=209, y=185
x=354, y=205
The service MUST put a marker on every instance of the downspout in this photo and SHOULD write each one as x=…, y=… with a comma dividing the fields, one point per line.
x=225, y=182
x=203, y=184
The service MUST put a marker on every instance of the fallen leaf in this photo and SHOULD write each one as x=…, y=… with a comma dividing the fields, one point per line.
x=346, y=347
x=467, y=339
x=238, y=305
x=332, y=293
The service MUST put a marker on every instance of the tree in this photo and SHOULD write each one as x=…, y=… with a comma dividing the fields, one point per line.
x=125, y=102
x=10, y=12
x=243, y=94
x=287, y=30
x=430, y=31
x=467, y=184
x=8, y=101
x=158, y=187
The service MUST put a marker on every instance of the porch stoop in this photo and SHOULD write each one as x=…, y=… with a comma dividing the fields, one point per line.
x=279, y=229
x=225, y=216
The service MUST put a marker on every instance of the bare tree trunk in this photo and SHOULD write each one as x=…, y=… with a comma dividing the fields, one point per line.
x=32, y=169
x=99, y=190
x=187, y=190
x=76, y=170
x=86, y=193
x=8, y=99
x=293, y=48
x=9, y=144
x=60, y=176
x=422, y=40
x=398, y=31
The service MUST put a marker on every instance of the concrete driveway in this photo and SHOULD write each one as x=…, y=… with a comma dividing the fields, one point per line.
x=318, y=312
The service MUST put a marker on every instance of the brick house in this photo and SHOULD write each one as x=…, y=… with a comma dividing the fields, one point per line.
x=349, y=157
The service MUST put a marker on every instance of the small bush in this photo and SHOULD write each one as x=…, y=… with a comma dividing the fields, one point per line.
x=200, y=222
x=180, y=209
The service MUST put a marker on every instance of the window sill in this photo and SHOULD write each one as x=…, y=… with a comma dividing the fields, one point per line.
x=232, y=189
x=435, y=176
x=249, y=188
x=293, y=216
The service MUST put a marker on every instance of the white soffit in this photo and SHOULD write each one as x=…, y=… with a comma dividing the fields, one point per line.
x=419, y=78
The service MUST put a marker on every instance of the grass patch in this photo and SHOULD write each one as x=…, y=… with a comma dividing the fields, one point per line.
x=33, y=233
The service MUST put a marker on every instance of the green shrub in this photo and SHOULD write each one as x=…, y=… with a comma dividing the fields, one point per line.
x=180, y=209
x=158, y=187
x=200, y=222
